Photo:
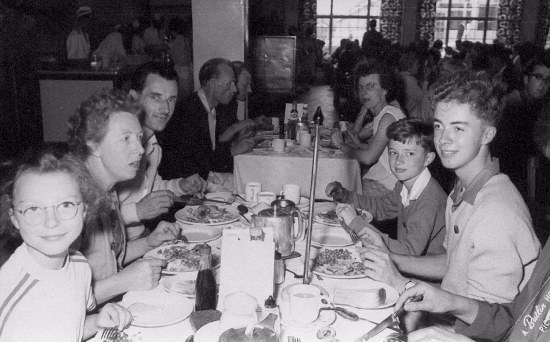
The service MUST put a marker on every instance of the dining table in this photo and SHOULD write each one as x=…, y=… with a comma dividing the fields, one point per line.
x=180, y=329
x=294, y=166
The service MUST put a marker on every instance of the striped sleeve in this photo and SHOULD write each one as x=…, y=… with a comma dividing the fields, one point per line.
x=22, y=287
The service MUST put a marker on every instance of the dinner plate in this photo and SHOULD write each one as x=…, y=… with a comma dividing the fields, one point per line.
x=328, y=236
x=158, y=253
x=208, y=332
x=221, y=196
x=391, y=298
x=186, y=215
x=157, y=308
x=326, y=317
x=202, y=233
x=324, y=208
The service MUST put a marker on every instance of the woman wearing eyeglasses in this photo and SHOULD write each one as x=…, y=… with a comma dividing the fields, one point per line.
x=106, y=134
x=44, y=283
x=376, y=90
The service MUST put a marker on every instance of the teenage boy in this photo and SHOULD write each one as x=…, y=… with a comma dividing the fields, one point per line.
x=491, y=248
x=417, y=200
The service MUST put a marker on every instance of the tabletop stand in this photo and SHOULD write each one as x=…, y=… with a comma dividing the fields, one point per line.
x=307, y=271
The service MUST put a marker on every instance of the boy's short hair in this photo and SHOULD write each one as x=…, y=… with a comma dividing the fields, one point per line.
x=473, y=88
x=412, y=130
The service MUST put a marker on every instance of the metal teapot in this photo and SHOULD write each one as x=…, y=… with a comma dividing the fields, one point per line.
x=281, y=217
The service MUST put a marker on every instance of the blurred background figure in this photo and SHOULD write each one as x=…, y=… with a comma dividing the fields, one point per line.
x=182, y=55
x=78, y=41
x=111, y=49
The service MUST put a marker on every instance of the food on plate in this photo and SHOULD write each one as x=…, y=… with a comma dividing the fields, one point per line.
x=338, y=262
x=208, y=213
x=258, y=334
x=329, y=217
x=183, y=259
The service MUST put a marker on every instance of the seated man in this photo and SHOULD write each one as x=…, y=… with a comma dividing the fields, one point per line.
x=147, y=196
x=417, y=200
x=491, y=248
x=191, y=140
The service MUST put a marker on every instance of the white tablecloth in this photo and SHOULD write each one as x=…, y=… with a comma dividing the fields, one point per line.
x=274, y=170
x=346, y=330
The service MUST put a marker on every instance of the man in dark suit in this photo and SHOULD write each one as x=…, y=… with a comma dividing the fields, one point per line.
x=190, y=142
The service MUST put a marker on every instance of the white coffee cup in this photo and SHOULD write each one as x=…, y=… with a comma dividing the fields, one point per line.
x=275, y=123
x=289, y=142
x=305, y=139
x=292, y=192
x=304, y=303
x=251, y=191
x=266, y=197
x=278, y=145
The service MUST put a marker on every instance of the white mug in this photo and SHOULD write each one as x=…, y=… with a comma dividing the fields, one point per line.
x=251, y=191
x=278, y=145
x=266, y=197
x=304, y=303
x=289, y=142
x=292, y=192
x=305, y=139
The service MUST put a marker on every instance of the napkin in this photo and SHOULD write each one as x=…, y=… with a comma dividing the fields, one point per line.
x=288, y=108
x=247, y=266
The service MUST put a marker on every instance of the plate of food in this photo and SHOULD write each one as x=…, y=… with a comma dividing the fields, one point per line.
x=200, y=233
x=207, y=214
x=342, y=263
x=326, y=213
x=329, y=236
x=183, y=257
x=157, y=308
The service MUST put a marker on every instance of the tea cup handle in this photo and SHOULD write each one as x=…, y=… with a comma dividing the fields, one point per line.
x=300, y=235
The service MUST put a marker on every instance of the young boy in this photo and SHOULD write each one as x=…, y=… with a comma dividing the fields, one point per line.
x=417, y=200
x=491, y=248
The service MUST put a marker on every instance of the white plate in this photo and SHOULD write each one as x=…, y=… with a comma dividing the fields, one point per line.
x=328, y=236
x=208, y=332
x=326, y=207
x=184, y=215
x=221, y=196
x=326, y=317
x=216, y=258
x=391, y=298
x=157, y=308
x=202, y=233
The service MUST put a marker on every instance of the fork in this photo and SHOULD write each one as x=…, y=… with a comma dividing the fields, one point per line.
x=109, y=334
x=354, y=237
x=294, y=339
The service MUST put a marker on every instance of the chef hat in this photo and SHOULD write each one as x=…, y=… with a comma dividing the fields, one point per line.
x=83, y=10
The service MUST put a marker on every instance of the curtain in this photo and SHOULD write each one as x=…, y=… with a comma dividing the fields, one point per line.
x=308, y=15
x=390, y=22
x=509, y=21
x=426, y=20
x=543, y=23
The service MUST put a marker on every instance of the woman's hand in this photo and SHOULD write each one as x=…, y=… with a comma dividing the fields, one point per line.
x=165, y=231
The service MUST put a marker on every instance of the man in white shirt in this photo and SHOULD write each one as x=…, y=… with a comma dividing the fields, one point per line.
x=78, y=41
x=148, y=195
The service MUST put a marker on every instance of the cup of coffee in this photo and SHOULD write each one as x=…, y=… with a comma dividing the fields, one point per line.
x=292, y=192
x=251, y=191
x=304, y=303
x=266, y=197
x=305, y=139
x=278, y=145
x=289, y=142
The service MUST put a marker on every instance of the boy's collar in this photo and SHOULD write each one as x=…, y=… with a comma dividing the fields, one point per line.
x=417, y=188
x=469, y=194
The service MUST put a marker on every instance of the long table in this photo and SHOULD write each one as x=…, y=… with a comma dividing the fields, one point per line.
x=294, y=166
x=346, y=330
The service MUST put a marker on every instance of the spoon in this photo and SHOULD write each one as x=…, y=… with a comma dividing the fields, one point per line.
x=243, y=209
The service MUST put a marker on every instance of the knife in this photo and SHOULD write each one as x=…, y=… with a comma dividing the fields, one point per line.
x=196, y=201
x=387, y=322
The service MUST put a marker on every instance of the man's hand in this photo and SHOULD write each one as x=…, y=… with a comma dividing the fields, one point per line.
x=192, y=184
x=243, y=146
x=154, y=204
x=113, y=315
x=165, y=231
x=336, y=191
x=436, y=334
x=142, y=274
x=379, y=266
x=372, y=239
x=346, y=212
x=236, y=128
x=337, y=139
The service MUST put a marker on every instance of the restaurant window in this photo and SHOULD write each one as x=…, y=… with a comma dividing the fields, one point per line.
x=473, y=20
x=337, y=19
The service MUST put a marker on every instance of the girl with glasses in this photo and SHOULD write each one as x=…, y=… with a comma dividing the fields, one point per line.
x=45, y=287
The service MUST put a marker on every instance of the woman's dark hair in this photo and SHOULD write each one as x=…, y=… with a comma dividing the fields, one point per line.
x=385, y=75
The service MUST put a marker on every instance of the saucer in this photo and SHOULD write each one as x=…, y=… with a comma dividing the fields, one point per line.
x=326, y=317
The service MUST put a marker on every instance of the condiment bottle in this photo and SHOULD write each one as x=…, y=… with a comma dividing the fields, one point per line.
x=279, y=270
x=205, y=286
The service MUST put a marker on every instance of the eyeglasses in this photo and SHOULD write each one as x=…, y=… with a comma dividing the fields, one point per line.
x=35, y=215
x=541, y=78
x=368, y=86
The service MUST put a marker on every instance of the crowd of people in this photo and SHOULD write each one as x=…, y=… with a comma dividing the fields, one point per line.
x=84, y=218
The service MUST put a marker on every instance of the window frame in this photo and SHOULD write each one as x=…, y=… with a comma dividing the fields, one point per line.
x=333, y=16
